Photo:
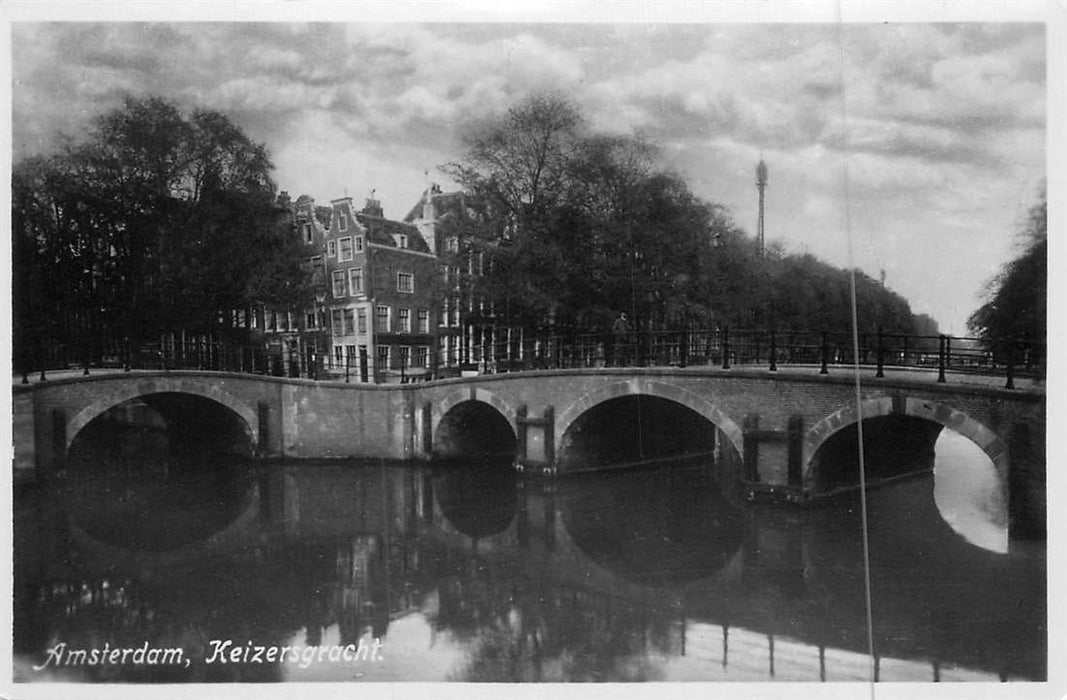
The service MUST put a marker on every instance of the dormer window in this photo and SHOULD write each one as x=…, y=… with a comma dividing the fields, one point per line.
x=402, y=241
x=307, y=232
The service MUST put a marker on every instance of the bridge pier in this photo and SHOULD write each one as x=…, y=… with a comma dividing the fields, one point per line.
x=773, y=459
x=536, y=441
x=1027, y=501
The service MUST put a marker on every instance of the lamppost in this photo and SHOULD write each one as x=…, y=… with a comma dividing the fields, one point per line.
x=319, y=280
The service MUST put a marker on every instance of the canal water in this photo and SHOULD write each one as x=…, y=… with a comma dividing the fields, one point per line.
x=204, y=570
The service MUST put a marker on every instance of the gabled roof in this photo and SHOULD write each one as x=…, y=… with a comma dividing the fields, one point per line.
x=381, y=231
x=445, y=205
x=323, y=215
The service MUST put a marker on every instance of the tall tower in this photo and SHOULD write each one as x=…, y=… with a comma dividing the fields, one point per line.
x=761, y=184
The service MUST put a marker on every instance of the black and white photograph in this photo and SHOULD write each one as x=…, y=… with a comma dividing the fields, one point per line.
x=697, y=350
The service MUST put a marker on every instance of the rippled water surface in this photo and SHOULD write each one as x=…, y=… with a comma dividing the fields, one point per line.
x=464, y=572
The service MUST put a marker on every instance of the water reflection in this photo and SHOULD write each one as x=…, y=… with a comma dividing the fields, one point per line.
x=478, y=498
x=472, y=575
x=661, y=527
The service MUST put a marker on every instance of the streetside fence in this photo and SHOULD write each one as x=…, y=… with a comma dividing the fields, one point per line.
x=722, y=348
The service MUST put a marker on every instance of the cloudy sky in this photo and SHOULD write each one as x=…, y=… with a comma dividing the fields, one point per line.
x=924, y=140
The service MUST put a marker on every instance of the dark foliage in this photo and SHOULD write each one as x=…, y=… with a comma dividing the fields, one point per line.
x=154, y=222
x=575, y=227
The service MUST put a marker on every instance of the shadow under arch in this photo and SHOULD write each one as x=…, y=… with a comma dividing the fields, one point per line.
x=641, y=386
x=473, y=422
x=248, y=419
x=888, y=406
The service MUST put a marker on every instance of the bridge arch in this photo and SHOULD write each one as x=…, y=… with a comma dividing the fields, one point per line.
x=126, y=391
x=649, y=387
x=452, y=399
x=987, y=440
x=448, y=435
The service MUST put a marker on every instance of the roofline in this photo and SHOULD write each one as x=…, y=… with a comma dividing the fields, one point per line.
x=402, y=250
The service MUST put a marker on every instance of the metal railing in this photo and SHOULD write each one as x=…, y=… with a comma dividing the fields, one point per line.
x=721, y=348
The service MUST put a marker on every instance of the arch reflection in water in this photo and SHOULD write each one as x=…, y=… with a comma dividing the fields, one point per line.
x=158, y=473
x=969, y=493
x=662, y=527
x=477, y=497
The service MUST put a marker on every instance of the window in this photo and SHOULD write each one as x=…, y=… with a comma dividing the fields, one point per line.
x=453, y=244
x=422, y=356
x=338, y=284
x=382, y=324
x=309, y=320
x=349, y=323
x=272, y=321
x=283, y=321
x=402, y=241
x=359, y=244
x=307, y=232
x=405, y=356
x=344, y=249
x=350, y=353
x=383, y=356
x=355, y=281
x=331, y=249
x=403, y=319
x=335, y=318
x=361, y=320
x=342, y=221
x=337, y=354
x=405, y=282
x=444, y=312
x=424, y=320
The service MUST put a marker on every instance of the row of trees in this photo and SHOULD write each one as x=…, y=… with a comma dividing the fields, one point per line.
x=155, y=221
x=577, y=227
x=1016, y=306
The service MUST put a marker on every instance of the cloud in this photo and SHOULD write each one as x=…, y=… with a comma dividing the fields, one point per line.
x=939, y=127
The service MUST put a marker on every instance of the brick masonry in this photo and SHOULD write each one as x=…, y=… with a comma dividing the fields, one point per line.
x=306, y=419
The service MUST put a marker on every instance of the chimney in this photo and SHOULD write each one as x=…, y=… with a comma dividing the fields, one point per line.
x=427, y=205
x=373, y=207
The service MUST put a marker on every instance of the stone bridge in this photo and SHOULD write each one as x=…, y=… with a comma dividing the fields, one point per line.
x=772, y=427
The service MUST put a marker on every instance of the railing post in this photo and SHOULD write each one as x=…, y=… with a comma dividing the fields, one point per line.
x=42, y=357
x=881, y=354
x=726, y=348
x=1010, y=384
x=774, y=351
x=824, y=350
x=941, y=360
x=948, y=352
x=683, y=348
